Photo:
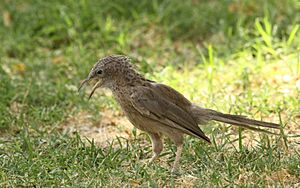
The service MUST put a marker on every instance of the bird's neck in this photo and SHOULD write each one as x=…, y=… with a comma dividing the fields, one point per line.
x=130, y=78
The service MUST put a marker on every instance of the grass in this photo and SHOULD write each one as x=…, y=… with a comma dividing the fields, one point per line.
x=240, y=57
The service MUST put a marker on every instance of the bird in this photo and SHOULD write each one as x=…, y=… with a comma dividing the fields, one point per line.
x=158, y=109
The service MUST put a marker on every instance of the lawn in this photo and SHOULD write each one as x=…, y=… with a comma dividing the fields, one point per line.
x=239, y=57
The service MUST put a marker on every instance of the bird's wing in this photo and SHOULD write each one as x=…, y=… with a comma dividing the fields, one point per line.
x=171, y=94
x=155, y=107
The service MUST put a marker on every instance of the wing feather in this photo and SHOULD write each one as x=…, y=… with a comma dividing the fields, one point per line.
x=152, y=105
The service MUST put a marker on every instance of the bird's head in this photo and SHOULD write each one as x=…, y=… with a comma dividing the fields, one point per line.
x=108, y=71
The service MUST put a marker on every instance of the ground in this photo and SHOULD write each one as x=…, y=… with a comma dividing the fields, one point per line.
x=238, y=57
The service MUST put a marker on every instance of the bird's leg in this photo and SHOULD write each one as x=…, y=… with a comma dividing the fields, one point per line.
x=157, y=146
x=177, y=138
x=177, y=158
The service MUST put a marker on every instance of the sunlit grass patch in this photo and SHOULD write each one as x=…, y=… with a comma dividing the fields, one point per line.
x=235, y=57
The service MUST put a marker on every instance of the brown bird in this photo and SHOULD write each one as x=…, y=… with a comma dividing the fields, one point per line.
x=157, y=108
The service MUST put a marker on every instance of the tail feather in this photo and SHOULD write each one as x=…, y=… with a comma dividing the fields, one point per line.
x=244, y=124
x=243, y=120
x=203, y=115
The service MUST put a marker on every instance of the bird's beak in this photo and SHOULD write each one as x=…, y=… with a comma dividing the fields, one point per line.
x=83, y=83
x=98, y=84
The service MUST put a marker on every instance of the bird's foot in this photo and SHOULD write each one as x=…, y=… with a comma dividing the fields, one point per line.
x=175, y=172
x=153, y=158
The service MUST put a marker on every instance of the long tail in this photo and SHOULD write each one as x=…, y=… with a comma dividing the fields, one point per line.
x=203, y=115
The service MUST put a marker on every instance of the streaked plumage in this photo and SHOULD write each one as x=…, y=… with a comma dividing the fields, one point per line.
x=159, y=109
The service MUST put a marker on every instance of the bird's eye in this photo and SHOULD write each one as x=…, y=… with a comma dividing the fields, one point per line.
x=99, y=72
